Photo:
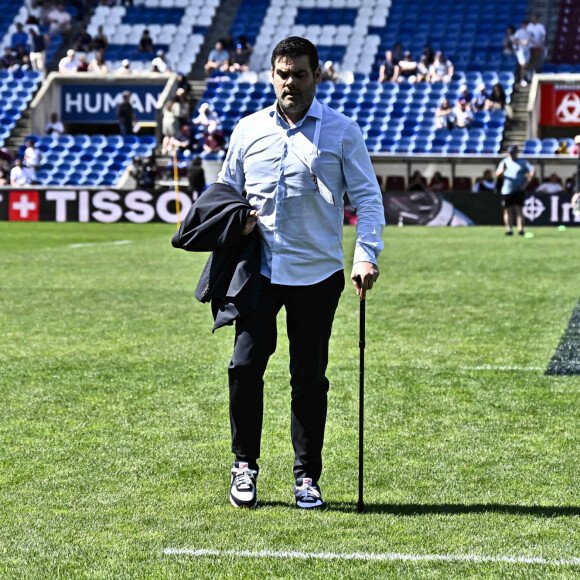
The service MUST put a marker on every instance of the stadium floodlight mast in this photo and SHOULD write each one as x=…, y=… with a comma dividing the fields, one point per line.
x=361, y=400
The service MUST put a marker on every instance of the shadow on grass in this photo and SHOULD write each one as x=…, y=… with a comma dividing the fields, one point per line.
x=428, y=509
x=442, y=509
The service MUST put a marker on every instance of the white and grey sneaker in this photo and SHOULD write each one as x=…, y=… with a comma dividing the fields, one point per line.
x=243, y=488
x=307, y=494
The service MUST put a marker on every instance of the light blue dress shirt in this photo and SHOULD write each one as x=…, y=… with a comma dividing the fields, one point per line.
x=301, y=232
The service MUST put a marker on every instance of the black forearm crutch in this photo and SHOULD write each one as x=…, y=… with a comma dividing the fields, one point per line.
x=361, y=401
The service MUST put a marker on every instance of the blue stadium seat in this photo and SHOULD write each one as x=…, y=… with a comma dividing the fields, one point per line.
x=532, y=147
x=549, y=146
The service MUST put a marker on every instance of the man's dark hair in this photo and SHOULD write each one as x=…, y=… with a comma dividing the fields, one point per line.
x=294, y=47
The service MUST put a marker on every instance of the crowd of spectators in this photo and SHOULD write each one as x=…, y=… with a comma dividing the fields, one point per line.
x=227, y=56
x=400, y=66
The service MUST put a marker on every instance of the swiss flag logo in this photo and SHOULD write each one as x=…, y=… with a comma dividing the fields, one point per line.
x=23, y=206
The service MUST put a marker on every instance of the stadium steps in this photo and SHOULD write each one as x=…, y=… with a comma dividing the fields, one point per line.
x=20, y=132
x=516, y=131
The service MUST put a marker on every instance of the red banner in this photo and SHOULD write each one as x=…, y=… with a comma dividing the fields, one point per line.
x=560, y=105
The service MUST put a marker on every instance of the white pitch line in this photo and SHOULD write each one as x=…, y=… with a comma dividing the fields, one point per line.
x=389, y=556
x=90, y=245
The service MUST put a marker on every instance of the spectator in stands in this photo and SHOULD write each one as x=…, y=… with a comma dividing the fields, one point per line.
x=247, y=47
x=516, y=173
x=329, y=72
x=4, y=176
x=444, y=116
x=38, y=45
x=36, y=13
x=485, y=183
x=32, y=158
x=463, y=114
x=229, y=43
x=187, y=141
x=417, y=182
x=464, y=94
x=497, y=98
x=143, y=170
x=389, y=69
x=422, y=70
x=126, y=114
x=183, y=83
x=438, y=182
x=160, y=63
x=68, y=64
x=59, y=20
x=8, y=59
x=480, y=101
x=170, y=125
x=552, y=185
x=146, y=43
x=54, y=126
x=398, y=52
x=407, y=68
x=563, y=148
x=575, y=149
x=196, y=178
x=214, y=142
x=509, y=46
x=125, y=68
x=442, y=69
x=522, y=42
x=98, y=64
x=218, y=59
x=82, y=64
x=100, y=40
x=428, y=54
x=83, y=40
x=240, y=62
x=19, y=40
x=183, y=115
x=19, y=175
x=537, y=32
x=207, y=118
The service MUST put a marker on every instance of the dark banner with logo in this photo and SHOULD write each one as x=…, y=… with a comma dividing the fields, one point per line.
x=139, y=206
x=467, y=209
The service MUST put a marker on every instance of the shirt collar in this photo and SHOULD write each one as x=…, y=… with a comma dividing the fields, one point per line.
x=315, y=111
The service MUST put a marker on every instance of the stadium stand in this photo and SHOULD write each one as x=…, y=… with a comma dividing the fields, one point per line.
x=395, y=118
x=16, y=91
x=567, y=45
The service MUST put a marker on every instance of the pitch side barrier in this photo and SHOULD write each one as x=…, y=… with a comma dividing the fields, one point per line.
x=33, y=204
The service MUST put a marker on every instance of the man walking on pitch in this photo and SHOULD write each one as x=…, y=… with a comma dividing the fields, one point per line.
x=517, y=173
x=295, y=160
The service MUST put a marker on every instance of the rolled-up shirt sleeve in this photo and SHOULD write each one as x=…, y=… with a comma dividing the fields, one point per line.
x=364, y=195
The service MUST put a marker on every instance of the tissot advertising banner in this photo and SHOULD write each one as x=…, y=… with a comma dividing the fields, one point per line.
x=84, y=103
x=138, y=206
x=560, y=105
x=106, y=206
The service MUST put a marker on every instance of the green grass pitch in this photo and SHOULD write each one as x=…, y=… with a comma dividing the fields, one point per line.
x=114, y=429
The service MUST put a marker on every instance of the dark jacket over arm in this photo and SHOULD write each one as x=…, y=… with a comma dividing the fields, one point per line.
x=231, y=277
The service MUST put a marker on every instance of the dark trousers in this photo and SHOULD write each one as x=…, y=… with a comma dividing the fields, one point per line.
x=309, y=316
